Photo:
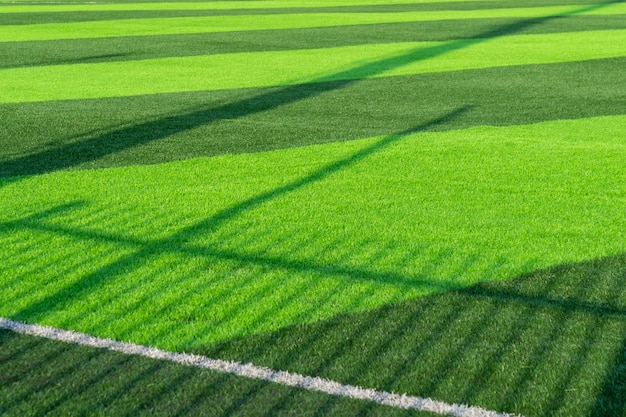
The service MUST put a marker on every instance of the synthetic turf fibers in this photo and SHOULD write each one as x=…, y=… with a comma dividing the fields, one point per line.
x=143, y=47
x=268, y=69
x=84, y=134
x=420, y=197
x=254, y=372
x=256, y=22
x=40, y=376
x=183, y=254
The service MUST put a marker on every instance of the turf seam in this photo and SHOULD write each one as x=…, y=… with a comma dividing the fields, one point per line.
x=251, y=371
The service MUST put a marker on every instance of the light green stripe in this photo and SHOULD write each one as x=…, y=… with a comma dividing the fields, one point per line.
x=222, y=5
x=211, y=24
x=263, y=69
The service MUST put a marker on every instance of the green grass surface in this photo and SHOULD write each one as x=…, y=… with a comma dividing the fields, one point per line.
x=254, y=22
x=549, y=343
x=207, y=5
x=16, y=54
x=265, y=69
x=47, y=13
x=152, y=129
x=441, y=209
x=40, y=377
x=552, y=342
x=395, y=200
x=24, y=6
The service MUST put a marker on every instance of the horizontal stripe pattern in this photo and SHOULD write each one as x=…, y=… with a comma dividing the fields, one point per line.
x=86, y=133
x=162, y=233
x=69, y=51
x=122, y=253
x=250, y=70
x=19, y=7
x=209, y=24
x=47, y=13
x=143, y=66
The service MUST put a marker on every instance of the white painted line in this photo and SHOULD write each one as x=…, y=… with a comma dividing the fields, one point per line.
x=254, y=372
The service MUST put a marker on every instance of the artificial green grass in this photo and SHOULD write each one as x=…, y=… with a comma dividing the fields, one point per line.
x=152, y=129
x=186, y=254
x=28, y=6
x=254, y=22
x=264, y=69
x=324, y=259
x=17, y=54
x=549, y=343
x=33, y=13
x=207, y=5
x=42, y=377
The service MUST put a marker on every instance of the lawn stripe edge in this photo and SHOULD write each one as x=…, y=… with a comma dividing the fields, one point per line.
x=251, y=371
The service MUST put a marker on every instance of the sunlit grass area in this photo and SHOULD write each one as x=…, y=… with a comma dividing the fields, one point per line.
x=184, y=254
x=424, y=197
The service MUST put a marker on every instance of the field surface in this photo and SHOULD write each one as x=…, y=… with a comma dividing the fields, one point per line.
x=414, y=196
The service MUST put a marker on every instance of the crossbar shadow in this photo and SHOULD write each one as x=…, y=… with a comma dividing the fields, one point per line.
x=172, y=243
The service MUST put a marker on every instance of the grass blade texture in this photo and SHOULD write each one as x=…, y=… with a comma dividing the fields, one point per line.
x=423, y=197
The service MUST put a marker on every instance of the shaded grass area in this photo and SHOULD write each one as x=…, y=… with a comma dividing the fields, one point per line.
x=550, y=343
x=153, y=129
x=42, y=377
x=204, y=4
x=194, y=252
x=17, y=54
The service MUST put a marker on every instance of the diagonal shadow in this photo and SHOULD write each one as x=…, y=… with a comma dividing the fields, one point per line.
x=493, y=293
x=173, y=242
x=96, y=147
x=530, y=345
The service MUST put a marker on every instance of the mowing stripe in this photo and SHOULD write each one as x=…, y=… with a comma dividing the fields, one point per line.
x=37, y=53
x=243, y=7
x=212, y=24
x=107, y=132
x=267, y=69
x=254, y=372
x=20, y=7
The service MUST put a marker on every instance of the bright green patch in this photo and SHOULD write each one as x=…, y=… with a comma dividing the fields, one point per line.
x=185, y=254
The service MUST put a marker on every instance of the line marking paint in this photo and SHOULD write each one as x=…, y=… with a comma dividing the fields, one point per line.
x=254, y=372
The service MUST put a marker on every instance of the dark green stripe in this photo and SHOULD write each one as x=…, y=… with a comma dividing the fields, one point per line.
x=43, y=137
x=82, y=16
x=42, y=377
x=17, y=54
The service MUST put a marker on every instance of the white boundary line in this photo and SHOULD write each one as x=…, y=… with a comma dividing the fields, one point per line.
x=254, y=372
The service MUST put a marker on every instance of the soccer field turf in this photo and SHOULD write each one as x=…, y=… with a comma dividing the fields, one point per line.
x=415, y=196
